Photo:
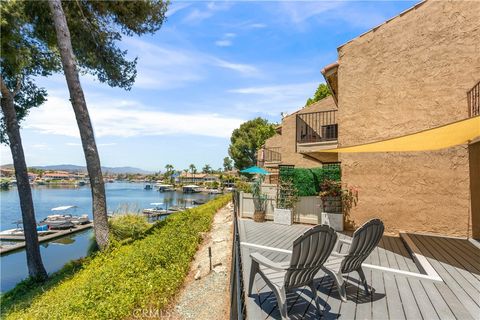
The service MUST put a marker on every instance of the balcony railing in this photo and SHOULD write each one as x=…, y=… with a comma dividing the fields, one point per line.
x=473, y=98
x=317, y=126
x=272, y=154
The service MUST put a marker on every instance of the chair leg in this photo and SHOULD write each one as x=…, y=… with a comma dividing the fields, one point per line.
x=253, y=271
x=338, y=278
x=281, y=296
x=316, y=297
x=364, y=280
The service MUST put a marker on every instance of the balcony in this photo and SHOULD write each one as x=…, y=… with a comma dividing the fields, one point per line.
x=473, y=98
x=270, y=157
x=316, y=131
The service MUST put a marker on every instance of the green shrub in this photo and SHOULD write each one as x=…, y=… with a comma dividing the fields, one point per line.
x=308, y=181
x=145, y=273
x=128, y=226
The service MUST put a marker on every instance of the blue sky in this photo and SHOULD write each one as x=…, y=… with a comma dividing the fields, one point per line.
x=212, y=66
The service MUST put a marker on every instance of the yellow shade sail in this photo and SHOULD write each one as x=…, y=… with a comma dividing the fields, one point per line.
x=442, y=137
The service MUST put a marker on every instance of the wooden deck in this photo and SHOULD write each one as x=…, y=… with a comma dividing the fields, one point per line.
x=395, y=296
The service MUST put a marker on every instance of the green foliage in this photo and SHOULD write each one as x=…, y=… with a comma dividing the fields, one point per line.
x=243, y=186
x=246, y=140
x=128, y=226
x=322, y=92
x=287, y=195
x=227, y=164
x=145, y=273
x=308, y=181
x=207, y=169
x=259, y=198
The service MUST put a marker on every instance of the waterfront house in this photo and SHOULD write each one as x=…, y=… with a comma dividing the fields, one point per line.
x=311, y=126
x=417, y=71
x=196, y=178
x=56, y=175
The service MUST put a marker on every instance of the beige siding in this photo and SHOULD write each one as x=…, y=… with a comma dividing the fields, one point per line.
x=287, y=140
x=410, y=74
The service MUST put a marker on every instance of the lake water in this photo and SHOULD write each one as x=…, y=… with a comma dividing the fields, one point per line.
x=57, y=252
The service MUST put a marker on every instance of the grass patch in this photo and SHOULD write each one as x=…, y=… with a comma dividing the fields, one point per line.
x=110, y=285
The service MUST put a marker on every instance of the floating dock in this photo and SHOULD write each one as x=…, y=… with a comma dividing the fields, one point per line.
x=41, y=238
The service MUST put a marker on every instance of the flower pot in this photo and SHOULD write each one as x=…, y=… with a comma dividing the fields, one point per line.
x=282, y=216
x=334, y=220
x=332, y=204
x=259, y=216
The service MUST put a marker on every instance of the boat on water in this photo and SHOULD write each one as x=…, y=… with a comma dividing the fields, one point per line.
x=81, y=183
x=164, y=187
x=64, y=220
x=148, y=187
x=191, y=188
x=198, y=202
x=214, y=191
x=18, y=231
x=157, y=209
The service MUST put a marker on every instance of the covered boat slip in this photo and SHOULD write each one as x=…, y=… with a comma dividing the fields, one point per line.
x=403, y=289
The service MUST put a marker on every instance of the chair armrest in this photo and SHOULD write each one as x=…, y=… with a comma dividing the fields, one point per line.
x=267, y=262
x=341, y=242
x=338, y=254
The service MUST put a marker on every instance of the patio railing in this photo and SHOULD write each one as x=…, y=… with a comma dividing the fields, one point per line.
x=272, y=154
x=473, y=98
x=317, y=126
x=237, y=294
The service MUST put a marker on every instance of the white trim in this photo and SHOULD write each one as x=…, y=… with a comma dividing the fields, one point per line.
x=258, y=246
x=475, y=242
x=420, y=260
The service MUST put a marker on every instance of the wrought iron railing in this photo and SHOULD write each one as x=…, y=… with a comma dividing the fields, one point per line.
x=473, y=98
x=317, y=126
x=237, y=292
x=272, y=154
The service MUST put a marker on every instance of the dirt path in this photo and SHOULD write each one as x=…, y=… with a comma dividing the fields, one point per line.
x=205, y=292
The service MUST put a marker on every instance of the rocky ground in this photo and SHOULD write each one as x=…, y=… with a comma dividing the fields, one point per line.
x=205, y=292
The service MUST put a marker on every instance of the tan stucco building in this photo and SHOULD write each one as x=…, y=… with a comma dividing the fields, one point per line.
x=300, y=129
x=411, y=73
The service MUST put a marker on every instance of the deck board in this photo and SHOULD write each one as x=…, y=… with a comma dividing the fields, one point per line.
x=395, y=296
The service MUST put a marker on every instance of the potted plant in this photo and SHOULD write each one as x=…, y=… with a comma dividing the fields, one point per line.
x=337, y=202
x=287, y=199
x=259, y=201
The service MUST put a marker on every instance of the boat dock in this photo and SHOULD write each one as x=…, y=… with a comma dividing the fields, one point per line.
x=41, y=238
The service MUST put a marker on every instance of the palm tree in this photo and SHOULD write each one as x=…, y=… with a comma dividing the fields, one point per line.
x=207, y=169
x=169, y=172
x=193, y=169
x=83, y=121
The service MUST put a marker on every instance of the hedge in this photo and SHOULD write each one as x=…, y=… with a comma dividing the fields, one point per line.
x=307, y=181
x=143, y=274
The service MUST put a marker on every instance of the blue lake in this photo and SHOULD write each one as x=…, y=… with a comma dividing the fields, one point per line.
x=55, y=253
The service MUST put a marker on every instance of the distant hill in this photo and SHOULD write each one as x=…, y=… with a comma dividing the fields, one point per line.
x=75, y=168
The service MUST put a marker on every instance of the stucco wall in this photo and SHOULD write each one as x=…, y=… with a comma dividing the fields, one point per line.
x=287, y=140
x=410, y=74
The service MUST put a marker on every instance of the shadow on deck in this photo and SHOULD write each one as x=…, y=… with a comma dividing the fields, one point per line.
x=395, y=296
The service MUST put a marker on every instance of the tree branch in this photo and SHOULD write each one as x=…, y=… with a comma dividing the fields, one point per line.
x=4, y=89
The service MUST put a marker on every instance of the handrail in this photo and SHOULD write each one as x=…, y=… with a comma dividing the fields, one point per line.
x=272, y=154
x=237, y=292
x=317, y=126
x=473, y=99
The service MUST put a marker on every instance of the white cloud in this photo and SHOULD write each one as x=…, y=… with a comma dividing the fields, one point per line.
x=256, y=25
x=298, y=12
x=5, y=154
x=73, y=144
x=226, y=40
x=126, y=119
x=211, y=8
x=274, y=99
x=40, y=146
x=163, y=67
x=223, y=43
x=244, y=69
x=175, y=7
